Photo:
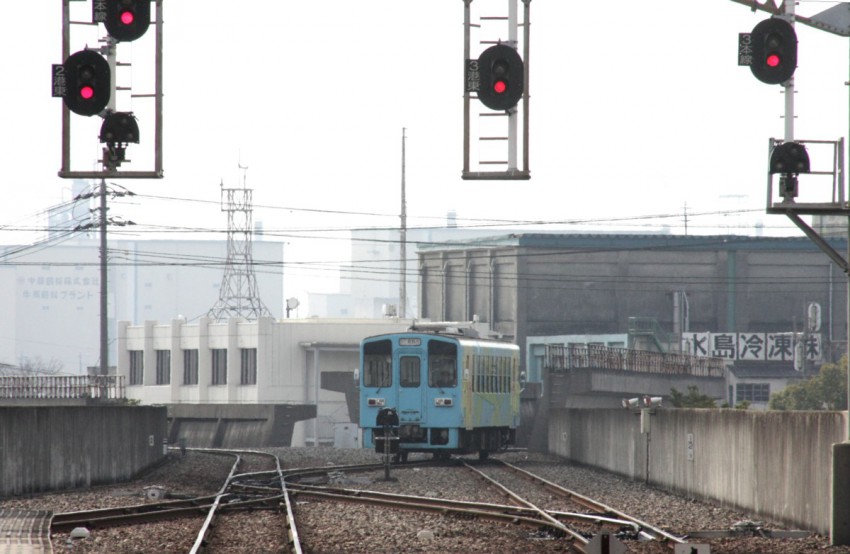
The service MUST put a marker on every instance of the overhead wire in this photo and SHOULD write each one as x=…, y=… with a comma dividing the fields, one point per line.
x=366, y=268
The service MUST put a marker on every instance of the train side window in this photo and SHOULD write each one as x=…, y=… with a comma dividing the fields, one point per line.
x=409, y=374
x=377, y=364
x=442, y=364
x=491, y=371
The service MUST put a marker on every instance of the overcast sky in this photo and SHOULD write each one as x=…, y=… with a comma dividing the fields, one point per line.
x=637, y=109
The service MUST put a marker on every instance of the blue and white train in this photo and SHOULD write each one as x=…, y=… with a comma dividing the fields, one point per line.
x=450, y=394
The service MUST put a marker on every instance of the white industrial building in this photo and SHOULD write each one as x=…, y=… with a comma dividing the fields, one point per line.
x=264, y=361
x=51, y=295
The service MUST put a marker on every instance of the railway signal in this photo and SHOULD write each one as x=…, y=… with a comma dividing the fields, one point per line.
x=117, y=131
x=83, y=82
x=774, y=51
x=789, y=159
x=125, y=20
x=502, y=74
x=119, y=128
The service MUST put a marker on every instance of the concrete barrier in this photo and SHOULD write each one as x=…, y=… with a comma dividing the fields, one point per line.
x=774, y=464
x=57, y=448
x=235, y=425
x=839, y=532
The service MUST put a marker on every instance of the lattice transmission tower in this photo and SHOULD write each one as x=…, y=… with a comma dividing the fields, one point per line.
x=238, y=295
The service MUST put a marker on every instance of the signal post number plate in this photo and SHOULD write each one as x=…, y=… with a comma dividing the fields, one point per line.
x=745, y=49
x=473, y=76
x=58, y=83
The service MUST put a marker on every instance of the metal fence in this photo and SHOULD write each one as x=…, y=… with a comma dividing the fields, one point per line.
x=564, y=358
x=64, y=387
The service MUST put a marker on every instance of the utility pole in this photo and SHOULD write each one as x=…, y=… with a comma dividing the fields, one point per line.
x=777, y=67
x=402, y=289
x=101, y=223
x=104, y=322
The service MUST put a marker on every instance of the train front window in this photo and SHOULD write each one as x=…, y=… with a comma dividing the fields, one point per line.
x=442, y=364
x=377, y=364
x=409, y=374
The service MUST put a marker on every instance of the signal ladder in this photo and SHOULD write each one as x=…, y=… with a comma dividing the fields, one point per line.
x=497, y=133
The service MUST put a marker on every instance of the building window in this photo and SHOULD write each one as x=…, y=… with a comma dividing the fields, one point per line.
x=163, y=367
x=190, y=367
x=219, y=366
x=249, y=366
x=752, y=392
x=137, y=366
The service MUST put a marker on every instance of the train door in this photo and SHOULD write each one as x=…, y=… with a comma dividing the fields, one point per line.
x=442, y=391
x=410, y=364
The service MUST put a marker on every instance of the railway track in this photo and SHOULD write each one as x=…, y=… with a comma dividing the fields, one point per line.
x=234, y=495
x=597, y=518
x=577, y=526
x=257, y=494
x=256, y=490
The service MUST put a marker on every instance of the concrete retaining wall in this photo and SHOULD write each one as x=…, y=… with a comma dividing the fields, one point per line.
x=56, y=448
x=775, y=464
x=235, y=425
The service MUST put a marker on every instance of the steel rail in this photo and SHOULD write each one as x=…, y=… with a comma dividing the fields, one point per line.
x=286, y=486
x=293, y=540
x=201, y=540
x=541, y=512
x=366, y=496
x=599, y=507
x=432, y=507
x=69, y=520
x=142, y=512
x=223, y=501
x=307, y=471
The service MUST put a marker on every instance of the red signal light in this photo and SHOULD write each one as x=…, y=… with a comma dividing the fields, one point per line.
x=125, y=20
x=499, y=87
x=86, y=82
x=774, y=49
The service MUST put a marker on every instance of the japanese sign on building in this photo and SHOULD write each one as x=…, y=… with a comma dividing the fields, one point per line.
x=752, y=346
x=70, y=288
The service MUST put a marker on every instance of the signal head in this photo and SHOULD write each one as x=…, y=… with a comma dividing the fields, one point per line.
x=88, y=79
x=119, y=128
x=125, y=20
x=774, y=44
x=502, y=77
x=790, y=158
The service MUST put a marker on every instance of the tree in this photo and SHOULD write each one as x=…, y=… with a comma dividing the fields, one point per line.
x=825, y=391
x=693, y=399
x=37, y=366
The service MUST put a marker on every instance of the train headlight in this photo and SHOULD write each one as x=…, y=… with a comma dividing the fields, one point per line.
x=444, y=402
x=376, y=402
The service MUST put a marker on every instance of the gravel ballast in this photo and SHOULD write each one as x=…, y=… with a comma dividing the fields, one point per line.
x=327, y=527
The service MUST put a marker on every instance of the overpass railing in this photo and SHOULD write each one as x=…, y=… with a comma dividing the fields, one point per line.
x=61, y=387
x=564, y=358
